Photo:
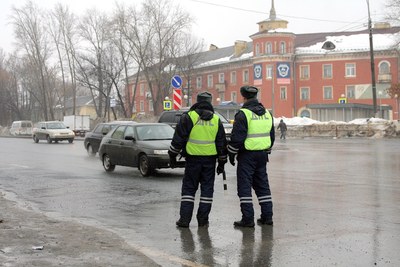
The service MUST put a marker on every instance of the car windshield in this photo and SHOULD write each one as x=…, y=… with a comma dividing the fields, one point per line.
x=55, y=125
x=155, y=132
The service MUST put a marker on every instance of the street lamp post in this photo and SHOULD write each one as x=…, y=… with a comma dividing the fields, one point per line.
x=186, y=97
x=380, y=104
x=397, y=108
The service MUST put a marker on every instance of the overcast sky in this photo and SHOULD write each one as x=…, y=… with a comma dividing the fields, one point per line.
x=222, y=22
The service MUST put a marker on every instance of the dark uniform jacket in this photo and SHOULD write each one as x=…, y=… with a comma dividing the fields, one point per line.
x=185, y=125
x=239, y=131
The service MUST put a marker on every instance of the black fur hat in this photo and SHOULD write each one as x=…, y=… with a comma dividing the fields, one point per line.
x=204, y=96
x=248, y=91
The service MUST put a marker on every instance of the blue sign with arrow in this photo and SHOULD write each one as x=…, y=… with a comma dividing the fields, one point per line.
x=176, y=81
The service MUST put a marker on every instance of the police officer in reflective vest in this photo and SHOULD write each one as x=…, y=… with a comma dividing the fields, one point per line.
x=252, y=137
x=200, y=137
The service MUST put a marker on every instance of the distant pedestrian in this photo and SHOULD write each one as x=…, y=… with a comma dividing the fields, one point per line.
x=200, y=138
x=283, y=128
x=252, y=138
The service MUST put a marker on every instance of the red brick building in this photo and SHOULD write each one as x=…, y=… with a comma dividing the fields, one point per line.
x=299, y=74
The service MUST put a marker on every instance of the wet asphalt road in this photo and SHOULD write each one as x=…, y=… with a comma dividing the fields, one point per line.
x=336, y=203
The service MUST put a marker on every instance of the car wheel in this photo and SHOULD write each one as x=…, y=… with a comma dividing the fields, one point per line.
x=144, y=166
x=108, y=166
x=70, y=141
x=90, y=151
x=56, y=141
x=35, y=139
x=49, y=139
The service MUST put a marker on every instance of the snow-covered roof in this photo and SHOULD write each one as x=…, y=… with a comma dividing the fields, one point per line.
x=383, y=38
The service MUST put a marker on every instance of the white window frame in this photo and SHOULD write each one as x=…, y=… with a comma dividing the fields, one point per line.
x=151, y=105
x=221, y=78
x=282, y=48
x=141, y=89
x=198, y=82
x=233, y=97
x=210, y=81
x=257, y=49
x=351, y=91
x=268, y=48
x=304, y=71
x=328, y=94
x=141, y=105
x=307, y=93
x=233, y=77
x=245, y=76
x=283, y=93
x=350, y=69
x=382, y=67
x=327, y=70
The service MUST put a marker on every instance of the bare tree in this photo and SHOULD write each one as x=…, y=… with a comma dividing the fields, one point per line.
x=94, y=28
x=31, y=36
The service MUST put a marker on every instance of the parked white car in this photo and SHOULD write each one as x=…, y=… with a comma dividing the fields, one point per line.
x=52, y=131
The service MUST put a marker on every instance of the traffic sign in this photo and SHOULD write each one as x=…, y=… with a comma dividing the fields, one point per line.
x=167, y=105
x=112, y=102
x=176, y=81
x=177, y=99
x=342, y=100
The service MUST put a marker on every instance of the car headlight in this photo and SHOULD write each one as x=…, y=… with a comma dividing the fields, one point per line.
x=160, y=152
x=228, y=130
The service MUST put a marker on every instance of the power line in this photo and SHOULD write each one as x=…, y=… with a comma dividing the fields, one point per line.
x=265, y=13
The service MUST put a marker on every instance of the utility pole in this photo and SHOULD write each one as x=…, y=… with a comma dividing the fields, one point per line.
x=371, y=48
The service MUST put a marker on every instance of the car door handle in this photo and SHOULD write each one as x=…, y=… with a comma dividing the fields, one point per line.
x=109, y=141
x=121, y=143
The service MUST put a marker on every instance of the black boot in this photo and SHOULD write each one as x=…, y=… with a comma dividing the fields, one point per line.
x=243, y=224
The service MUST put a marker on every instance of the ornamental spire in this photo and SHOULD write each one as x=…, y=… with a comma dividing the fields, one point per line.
x=272, y=13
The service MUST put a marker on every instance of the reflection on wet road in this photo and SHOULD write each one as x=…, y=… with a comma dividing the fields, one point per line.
x=336, y=202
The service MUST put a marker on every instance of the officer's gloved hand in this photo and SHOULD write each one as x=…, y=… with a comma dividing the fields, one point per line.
x=232, y=159
x=220, y=167
x=172, y=161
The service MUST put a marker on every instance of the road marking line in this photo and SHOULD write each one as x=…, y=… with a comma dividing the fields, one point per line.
x=16, y=165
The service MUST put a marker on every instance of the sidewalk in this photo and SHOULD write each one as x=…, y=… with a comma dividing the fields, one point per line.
x=64, y=243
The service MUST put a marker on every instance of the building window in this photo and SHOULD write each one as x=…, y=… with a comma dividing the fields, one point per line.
x=282, y=48
x=221, y=78
x=304, y=72
x=327, y=71
x=351, y=70
x=384, y=68
x=268, y=48
x=141, y=89
x=305, y=93
x=351, y=92
x=210, y=81
x=198, y=82
x=142, y=105
x=233, y=97
x=328, y=92
x=245, y=76
x=150, y=105
x=283, y=93
x=257, y=49
x=221, y=97
x=269, y=71
x=233, y=77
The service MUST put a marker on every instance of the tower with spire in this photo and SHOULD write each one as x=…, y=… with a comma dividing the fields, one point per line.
x=272, y=23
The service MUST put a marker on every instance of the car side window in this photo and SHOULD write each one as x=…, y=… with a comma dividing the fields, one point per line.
x=177, y=118
x=129, y=132
x=99, y=128
x=106, y=128
x=119, y=132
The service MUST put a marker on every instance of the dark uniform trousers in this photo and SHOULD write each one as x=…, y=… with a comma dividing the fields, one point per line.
x=198, y=170
x=252, y=173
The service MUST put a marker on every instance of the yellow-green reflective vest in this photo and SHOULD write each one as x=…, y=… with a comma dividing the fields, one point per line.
x=202, y=137
x=258, y=131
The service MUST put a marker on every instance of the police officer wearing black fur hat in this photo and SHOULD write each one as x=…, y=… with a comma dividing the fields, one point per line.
x=200, y=137
x=252, y=138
